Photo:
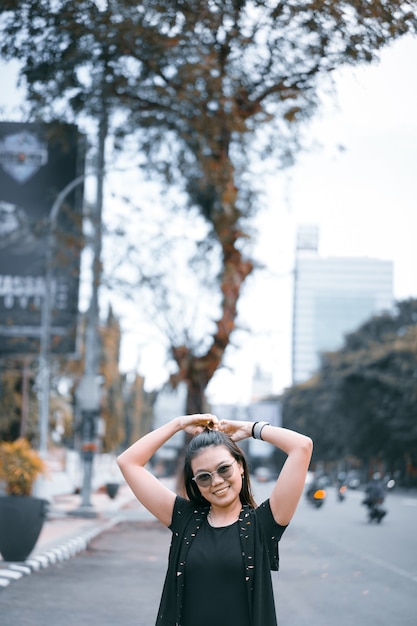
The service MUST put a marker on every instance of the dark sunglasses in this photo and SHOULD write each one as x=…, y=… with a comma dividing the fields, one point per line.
x=205, y=479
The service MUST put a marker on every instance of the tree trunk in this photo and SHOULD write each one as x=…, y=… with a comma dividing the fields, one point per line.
x=197, y=371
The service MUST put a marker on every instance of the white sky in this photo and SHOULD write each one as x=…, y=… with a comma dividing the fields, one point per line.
x=363, y=198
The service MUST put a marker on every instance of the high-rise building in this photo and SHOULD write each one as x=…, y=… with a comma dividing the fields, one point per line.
x=332, y=297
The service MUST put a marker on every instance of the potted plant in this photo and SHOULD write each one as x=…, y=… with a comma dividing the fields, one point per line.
x=21, y=515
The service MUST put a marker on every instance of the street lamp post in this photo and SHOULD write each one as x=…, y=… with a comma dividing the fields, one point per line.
x=88, y=399
x=88, y=392
x=88, y=395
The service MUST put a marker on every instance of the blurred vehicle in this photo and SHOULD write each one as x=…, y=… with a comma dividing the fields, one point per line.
x=375, y=511
x=323, y=480
x=353, y=480
x=263, y=474
x=389, y=482
x=316, y=496
x=374, y=498
x=341, y=486
x=341, y=492
x=316, y=493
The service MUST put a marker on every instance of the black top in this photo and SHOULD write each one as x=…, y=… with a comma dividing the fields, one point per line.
x=259, y=535
x=214, y=591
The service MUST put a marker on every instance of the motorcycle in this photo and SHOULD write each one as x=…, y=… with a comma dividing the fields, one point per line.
x=376, y=512
x=374, y=498
x=341, y=492
x=316, y=496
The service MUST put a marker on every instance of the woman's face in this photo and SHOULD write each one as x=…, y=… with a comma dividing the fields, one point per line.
x=222, y=491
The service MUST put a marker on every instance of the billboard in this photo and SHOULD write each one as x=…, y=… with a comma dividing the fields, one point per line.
x=37, y=161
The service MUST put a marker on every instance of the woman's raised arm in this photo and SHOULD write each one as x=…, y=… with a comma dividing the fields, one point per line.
x=289, y=487
x=291, y=480
x=154, y=496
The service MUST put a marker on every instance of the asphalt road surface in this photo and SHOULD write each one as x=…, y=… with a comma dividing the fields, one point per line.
x=339, y=570
x=336, y=570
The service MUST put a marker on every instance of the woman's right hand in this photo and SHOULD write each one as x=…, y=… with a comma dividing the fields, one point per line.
x=197, y=423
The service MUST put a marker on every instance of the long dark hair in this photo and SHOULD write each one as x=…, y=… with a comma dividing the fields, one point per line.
x=215, y=438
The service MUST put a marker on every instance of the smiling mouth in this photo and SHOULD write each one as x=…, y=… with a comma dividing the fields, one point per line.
x=220, y=491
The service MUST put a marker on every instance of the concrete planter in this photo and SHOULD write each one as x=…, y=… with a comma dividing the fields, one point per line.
x=21, y=521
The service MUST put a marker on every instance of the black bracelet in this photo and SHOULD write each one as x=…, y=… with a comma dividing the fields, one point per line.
x=253, y=429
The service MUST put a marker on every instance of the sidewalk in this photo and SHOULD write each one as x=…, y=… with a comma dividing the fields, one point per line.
x=64, y=534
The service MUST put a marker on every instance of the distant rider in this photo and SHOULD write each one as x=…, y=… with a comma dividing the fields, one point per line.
x=375, y=493
x=374, y=497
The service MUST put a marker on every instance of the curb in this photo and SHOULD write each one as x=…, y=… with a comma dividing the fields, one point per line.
x=70, y=548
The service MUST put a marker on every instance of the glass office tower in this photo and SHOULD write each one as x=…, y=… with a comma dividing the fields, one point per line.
x=332, y=297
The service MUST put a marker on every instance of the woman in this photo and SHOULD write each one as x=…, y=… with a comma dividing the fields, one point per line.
x=223, y=546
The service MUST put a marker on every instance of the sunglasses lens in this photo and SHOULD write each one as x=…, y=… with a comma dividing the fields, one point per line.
x=204, y=480
x=225, y=471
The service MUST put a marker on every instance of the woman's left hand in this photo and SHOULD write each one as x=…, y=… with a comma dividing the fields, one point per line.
x=236, y=429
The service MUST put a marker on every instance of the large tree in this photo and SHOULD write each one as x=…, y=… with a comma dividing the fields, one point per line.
x=223, y=79
x=362, y=400
x=201, y=84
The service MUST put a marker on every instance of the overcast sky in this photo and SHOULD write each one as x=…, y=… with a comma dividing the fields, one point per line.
x=359, y=187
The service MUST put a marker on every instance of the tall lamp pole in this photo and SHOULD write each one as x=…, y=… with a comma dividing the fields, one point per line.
x=89, y=392
x=87, y=395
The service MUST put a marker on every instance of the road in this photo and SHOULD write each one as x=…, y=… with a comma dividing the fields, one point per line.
x=336, y=570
